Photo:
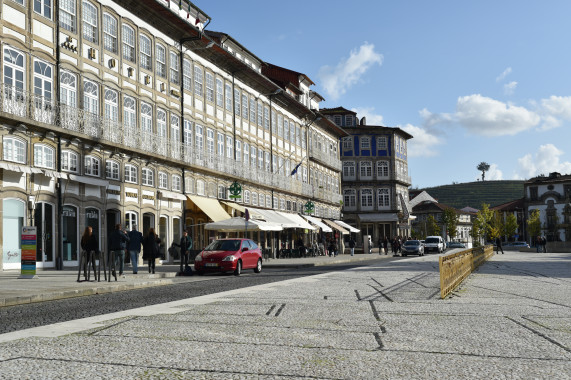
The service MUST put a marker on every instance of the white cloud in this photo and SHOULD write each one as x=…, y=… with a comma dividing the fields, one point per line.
x=503, y=75
x=431, y=119
x=337, y=80
x=423, y=143
x=545, y=160
x=489, y=117
x=369, y=113
x=509, y=88
x=557, y=106
x=493, y=174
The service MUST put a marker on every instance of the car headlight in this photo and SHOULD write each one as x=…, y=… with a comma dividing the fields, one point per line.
x=198, y=257
x=229, y=258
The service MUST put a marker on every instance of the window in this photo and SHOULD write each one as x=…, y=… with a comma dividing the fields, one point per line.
x=298, y=135
x=254, y=199
x=111, y=105
x=14, y=150
x=209, y=141
x=163, y=180
x=174, y=68
x=349, y=170
x=365, y=143
x=266, y=118
x=43, y=83
x=91, y=166
x=129, y=112
x=252, y=110
x=262, y=200
x=366, y=170
x=229, y=150
x=238, y=150
x=176, y=182
x=260, y=113
x=67, y=15
x=533, y=193
x=147, y=177
x=220, y=144
x=175, y=128
x=347, y=144
x=246, y=154
x=161, y=123
x=43, y=7
x=91, y=97
x=188, y=185
x=280, y=125
x=43, y=156
x=275, y=202
x=337, y=119
x=200, y=189
x=145, y=52
x=247, y=197
x=14, y=73
x=282, y=204
x=349, y=120
x=382, y=169
x=260, y=159
x=112, y=170
x=267, y=161
x=209, y=87
x=199, y=138
x=68, y=89
x=274, y=122
x=187, y=132
x=109, y=33
x=253, y=151
x=146, y=118
x=366, y=199
x=219, y=93
x=89, y=24
x=228, y=94
x=221, y=192
x=128, y=43
x=131, y=174
x=161, y=57
x=383, y=199
x=69, y=161
x=197, y=81
x=186, y=75
x=286, y=130
x=292, y=132
x=237, y=98
x=245, y=111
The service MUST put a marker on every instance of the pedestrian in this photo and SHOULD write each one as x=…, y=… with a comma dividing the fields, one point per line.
x=117, y=245
x=544, y=244
x=386, y=245
x=134, y=247
x=89, y=243
x=352, y=246
x=185, y=247
x=538, y=244
x=394, y=246
x=331, y=248
x=151, y=248
x=499, y=246
x=380, y=244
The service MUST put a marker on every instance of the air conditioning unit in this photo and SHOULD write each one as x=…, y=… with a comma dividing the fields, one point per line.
x=112, y=63
x=147, y=79
x=91, y=53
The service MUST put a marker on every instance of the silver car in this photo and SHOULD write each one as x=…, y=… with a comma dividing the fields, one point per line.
x=412, y=247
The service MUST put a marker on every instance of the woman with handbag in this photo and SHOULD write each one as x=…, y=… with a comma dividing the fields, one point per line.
x=151, y=248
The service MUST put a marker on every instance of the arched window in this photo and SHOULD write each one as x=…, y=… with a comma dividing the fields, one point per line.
x=366, y=199
x=128, y=43
x=147, y=177
x=200, y=190
x=247, y=197
x=161, y=66
x=163, y=180
x=349, y=199
x=14, y=150
x=145, y=53
x=69, y=161
x=131, y=174
x=44, y=156
x=176, y=182
x=349, y=170
x=366, y=170
x=109, y=33
x=254, y=199
x=383, y=198
x=89, y=25
x=92, y=166
x=112, y=170
x=382, y=169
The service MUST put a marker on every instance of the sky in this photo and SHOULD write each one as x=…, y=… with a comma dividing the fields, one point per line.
x=472, y=81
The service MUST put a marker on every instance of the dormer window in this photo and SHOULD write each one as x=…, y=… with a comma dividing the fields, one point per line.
x=349, y=121
x=337, y=120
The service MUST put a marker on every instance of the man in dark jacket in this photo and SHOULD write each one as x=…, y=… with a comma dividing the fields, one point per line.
x=352, y=246
x=117, y=244
x=499, y=246
x=185, y=247
x=134, y=247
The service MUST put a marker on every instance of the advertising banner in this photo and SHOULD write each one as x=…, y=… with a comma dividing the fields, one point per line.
x=28, y=239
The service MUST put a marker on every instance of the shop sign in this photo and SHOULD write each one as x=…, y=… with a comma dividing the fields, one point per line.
x=235, y=190
x=309, y=207
x=92, y=214
x=28, y=240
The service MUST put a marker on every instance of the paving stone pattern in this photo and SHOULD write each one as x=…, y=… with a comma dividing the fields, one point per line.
x=509, y=320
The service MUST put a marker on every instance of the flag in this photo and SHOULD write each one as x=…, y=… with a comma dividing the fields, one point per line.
x=197, y=19
x=296, y=167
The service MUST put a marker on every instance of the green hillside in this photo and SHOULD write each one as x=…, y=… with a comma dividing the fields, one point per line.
x=473, y=194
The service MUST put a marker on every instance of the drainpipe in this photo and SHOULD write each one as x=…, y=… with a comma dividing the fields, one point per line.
x=59, y=224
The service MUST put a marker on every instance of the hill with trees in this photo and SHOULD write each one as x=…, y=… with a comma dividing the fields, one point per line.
x=473, y=194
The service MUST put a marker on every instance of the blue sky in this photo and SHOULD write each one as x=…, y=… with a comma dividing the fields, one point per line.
x=472, y=81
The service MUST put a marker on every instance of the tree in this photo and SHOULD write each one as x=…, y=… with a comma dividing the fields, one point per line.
x=534, y=224
x=450, y=219
x=484, y=221
x=483, y=167
x=432, y=228
x=510, y=225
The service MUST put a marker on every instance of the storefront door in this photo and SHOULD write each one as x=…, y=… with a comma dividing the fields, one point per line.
x=44, y=222
x=164, y=236
x=12, y=222
x=70, y=234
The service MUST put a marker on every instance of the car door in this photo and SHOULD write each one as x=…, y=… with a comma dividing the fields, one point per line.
x=246, y=252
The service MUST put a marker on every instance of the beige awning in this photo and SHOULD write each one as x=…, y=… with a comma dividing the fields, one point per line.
x=336, y=226
x=235, y=206
x=172, y=195
x=210, y=207
x=89, y=180
x=301, y=223
x=318, y=223
x=350, y=228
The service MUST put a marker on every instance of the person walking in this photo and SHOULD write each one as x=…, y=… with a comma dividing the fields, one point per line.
x=117, y=245
x=134, y=247
x=89, y=243
x=544, y=244
x=499, y=246
x=386, y=245
x=185, y=247
x=151, y=248
x=352, y=246
x=538, y=244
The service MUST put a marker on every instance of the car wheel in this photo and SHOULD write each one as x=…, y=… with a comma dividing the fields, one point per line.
x=238, y=269
x=258, y=267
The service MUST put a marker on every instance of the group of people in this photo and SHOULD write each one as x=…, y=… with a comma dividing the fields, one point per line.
x=120, y=241
x=396, y=244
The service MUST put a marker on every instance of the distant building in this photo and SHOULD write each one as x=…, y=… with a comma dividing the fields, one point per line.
x=516, y=208
x=375, y=178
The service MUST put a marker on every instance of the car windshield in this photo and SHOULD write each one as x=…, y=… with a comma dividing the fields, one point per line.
x=224, y=245
x=431, y=240
x=412, y=242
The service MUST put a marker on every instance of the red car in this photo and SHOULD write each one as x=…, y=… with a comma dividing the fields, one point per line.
x=226, y=255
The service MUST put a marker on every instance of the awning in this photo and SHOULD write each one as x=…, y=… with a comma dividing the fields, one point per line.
x=172, y=195
x=210, y=207
x=274, y=217
x=239, y=224
x=379, y=217
x=18, y=168
x=54, y=174
x=337, y=227
x=318, y=223
x=235, y=206
x=350, y=228
x=89, y=180
x=297, y=219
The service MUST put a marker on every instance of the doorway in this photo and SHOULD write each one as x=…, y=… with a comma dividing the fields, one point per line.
x=112, y=217
x=164, y=236
x=148, y=222
x=44, y=222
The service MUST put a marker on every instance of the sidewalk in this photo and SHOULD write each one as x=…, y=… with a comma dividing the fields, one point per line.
x=54, y=284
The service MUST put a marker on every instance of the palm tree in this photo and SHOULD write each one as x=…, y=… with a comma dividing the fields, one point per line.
x=483, y=167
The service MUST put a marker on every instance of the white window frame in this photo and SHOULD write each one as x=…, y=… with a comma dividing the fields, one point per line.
x=247, y=197
x=365, y=170
x=366, y=198
x=228, y=97
x=68, y=89
x=199, y=130
x=365, y=143
x=161, y=123
x=91, y=97
x=42, y=7
x=383, y=198
x=14, y=149
x=110, y=25
x=43, y=82
x=383, y=169
x=161, y=59
x=381, y=143
x=92, y=166
x=349, y=170
x=238, y=150
x=146, y=118
x=237, y=100
x=112, y=170
x=163, y=180
x=131, y=173
x=128, y=43
x=68, y=15
x=69, y=161
x=246, y=154
x=347, y=144
x=187, y=75
x=145, y=52
x=229, y=147
x=129, y=112
x=220, y=144
x=176, y=182
x=200, y=187
x=209, y=87
x=210, y=141
x=89, y=23
x=349, y=121
x=198, y=80
x=254, y=199
x=147, y=177
x=44, y=156
x=111, y=104
x=173, y=64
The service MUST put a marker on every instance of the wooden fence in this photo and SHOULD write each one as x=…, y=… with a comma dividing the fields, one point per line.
x=455, y=267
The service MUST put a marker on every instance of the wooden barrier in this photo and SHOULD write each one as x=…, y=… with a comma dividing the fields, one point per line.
x=454, y=268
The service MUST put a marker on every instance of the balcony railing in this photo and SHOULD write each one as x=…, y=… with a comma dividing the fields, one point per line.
x=19, y=103
x=326, y=158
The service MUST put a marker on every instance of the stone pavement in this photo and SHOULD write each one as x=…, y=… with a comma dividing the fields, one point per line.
x=52, y=284
x=510, y=319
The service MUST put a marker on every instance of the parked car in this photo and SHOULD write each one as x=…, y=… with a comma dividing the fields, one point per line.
x=455, y=244
x=516, y=245
x=434, y=243
x=229, y=255
x=413, y=247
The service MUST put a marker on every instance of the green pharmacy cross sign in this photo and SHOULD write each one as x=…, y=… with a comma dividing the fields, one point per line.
x=235, y=190
x=309, y=207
